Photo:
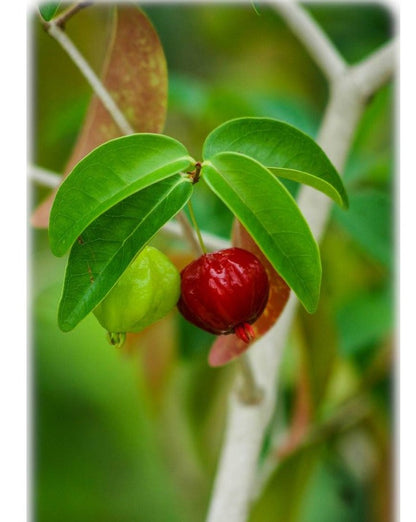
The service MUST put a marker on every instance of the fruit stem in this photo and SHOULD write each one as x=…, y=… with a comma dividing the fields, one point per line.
x=249, y=392
x=196, y=227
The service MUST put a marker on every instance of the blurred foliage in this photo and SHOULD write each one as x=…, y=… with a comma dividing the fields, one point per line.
x=136, y=435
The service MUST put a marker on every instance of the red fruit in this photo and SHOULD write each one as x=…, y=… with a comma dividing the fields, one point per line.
x=224, y=292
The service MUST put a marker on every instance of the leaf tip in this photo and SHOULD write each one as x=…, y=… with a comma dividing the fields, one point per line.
x=57, y=248
x=64, y=326
x=312, y=307
x=311, y=303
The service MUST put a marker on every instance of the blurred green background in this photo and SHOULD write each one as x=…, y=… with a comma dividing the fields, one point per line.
x=135, y=435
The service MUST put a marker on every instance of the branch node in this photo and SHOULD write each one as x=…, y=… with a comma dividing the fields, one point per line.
x=62, y=18
x=248, y=392
x=250, y=397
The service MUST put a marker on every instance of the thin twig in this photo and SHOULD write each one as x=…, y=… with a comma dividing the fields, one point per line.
x=372, y=73
x=61, y=19
x=320, y=48
x=44, y=177
x=97, y=86
x=51, y=179
x=66, y=43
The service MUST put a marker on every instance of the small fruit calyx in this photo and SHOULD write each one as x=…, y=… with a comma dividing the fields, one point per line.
x=148, y=289
x=224, y=292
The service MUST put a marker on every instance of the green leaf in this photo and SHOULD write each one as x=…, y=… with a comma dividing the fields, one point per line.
x=285, y=491
x=48, y=10
x=364, y=320
x=334, y=491
x=271, y=216
x=369, y=222
x=107, y=175
x=279, y=146
x=110, y=243
x=318, y=341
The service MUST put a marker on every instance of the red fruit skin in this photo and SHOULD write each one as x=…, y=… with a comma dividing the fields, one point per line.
x=223, y=290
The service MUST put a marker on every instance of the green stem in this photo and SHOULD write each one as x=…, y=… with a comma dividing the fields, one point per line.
x=196, y=227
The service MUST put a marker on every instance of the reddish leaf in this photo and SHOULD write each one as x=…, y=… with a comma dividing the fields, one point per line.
x=135, y=74
x=228, y=347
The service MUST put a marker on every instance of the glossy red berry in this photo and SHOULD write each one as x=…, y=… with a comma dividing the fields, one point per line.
x=224, y=292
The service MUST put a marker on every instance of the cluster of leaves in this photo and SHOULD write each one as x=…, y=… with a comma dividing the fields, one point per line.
x=120, y=195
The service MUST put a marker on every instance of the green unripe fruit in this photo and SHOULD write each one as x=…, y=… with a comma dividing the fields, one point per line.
x=145, y=293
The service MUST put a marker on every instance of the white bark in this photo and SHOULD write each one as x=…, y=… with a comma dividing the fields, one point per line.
x=321, y=49
x=349, y=88
x=44, y=177
x=245, y=428
x=372, y=73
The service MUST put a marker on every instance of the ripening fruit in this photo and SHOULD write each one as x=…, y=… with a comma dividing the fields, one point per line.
x=145, y=293
x=224, y=292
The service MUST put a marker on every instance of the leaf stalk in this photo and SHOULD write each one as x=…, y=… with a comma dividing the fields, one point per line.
x=196, y=227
